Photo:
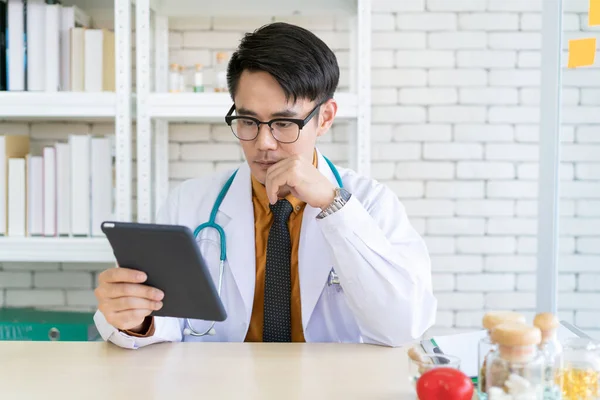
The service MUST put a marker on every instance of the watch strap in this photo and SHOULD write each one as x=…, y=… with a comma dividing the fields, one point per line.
x=340, y=199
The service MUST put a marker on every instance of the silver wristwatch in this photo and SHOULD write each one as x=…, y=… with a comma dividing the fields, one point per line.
x=341, y=198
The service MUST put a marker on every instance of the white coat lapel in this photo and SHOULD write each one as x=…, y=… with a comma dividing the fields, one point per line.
x=239, y=234
x=314, y=257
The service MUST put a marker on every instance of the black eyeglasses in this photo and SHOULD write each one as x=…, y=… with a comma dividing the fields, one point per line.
x=284, y=130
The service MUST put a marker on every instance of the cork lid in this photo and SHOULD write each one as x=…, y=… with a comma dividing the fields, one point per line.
x=493, y=318
x=221, y=56
x=516, y=334
x=546, y=321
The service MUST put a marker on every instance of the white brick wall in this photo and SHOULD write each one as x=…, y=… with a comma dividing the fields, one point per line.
x=455, y=91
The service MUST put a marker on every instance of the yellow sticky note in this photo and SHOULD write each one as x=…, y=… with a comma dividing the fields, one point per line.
x=594, y=15
x=582, y=52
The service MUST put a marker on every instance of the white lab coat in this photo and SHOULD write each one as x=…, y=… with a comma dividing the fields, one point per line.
x=384, y=295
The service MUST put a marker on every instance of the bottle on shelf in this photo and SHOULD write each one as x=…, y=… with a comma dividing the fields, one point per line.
x=174, y=78
x=486, y=346
x=198, y=79
x=182, y=79
x=516, y=369
x=551, y=350
x=221, y=72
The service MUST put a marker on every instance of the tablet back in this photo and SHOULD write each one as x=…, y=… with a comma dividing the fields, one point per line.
x=170, y=257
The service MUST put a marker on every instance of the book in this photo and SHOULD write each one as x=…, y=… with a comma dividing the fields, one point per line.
x=35, y=195
x=17, y=197
x=10, y=146
x=101, y=175
x=16, y=46
x=36, y=45
x=77, y=58
x=49, y=191
x=3, y=29
x=63, y=189
x=80, y=184
x=99, y=60
x=52, y=67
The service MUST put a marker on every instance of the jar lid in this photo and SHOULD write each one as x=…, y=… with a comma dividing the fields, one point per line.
x=516, y=334
x=221, y=55
x=493, y=318
x=546, y=321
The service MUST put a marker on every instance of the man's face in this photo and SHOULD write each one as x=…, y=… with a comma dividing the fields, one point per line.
x=260, y=96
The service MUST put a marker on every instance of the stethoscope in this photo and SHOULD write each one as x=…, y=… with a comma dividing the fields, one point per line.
x=212, y=224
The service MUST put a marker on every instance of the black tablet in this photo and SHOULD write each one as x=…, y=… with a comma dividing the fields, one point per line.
x=171, y=259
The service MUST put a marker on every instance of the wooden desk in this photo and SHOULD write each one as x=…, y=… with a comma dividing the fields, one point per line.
x=202, y=371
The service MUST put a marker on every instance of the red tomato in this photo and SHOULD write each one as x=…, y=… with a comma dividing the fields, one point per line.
x=444, y=384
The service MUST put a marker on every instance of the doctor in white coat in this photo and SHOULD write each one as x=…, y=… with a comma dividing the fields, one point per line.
x=364, y=272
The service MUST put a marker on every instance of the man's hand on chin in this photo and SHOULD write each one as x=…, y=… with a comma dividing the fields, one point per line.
x=299, y=177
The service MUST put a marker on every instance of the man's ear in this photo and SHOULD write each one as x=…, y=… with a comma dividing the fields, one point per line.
x=326, y=116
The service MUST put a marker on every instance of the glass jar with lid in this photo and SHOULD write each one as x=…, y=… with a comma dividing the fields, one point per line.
x=580, y=376
x=516, y=369
x=486, y=346
x=174, y=78
x=551, y=350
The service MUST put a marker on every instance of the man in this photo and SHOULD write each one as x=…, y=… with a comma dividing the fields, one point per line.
x=309, y=258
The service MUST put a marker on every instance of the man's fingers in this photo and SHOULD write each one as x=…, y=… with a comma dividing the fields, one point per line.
x=118, y=275
x=132, y=303
x=272, y=185
x=116, y=290
x=129, y=319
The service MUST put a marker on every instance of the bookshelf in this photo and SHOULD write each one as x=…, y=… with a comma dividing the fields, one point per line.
x=88, y=107
x=179, y=8
x=155, y=107
x=57, y=106
x=212, y=107
x=55, y=249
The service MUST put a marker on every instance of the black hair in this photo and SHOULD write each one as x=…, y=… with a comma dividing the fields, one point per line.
x=303, y=65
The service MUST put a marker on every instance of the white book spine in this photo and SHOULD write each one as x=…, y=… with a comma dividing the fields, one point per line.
x=52, y=47
x=77, y=60
x=36, y=45
x=80, y=184
x=63, y=189
x=35, y=195
x=17, y=220
x=101, y=183
x=67, y=21
x=3, y=185
x=16, y=46
x=49, y=191
x=93, y=51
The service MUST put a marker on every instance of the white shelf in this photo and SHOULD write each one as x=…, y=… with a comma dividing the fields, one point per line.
x=212, y=107
x=185, y=8
x=53, y=249
x=57, y=105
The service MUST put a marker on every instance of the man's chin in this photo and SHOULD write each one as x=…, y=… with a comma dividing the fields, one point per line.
x=259, y=173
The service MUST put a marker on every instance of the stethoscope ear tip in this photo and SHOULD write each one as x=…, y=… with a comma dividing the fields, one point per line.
x=212, y=332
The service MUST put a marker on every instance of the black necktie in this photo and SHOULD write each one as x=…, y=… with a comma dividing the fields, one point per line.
x=277, y=319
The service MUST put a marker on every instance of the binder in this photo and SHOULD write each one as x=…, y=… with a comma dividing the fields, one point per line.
x=31, y=324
